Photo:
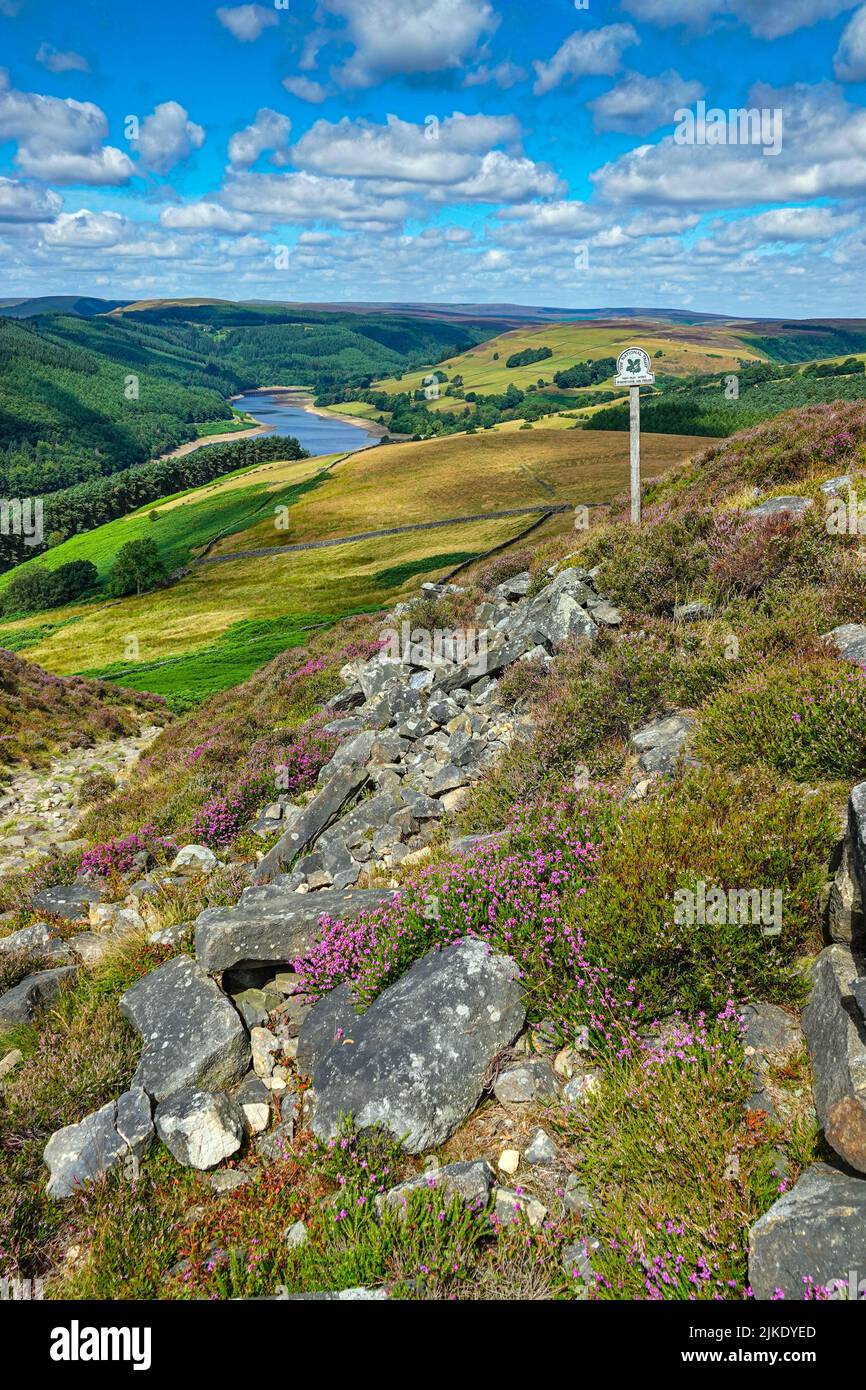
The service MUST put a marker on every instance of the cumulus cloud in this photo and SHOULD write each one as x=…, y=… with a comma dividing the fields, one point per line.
x=206, y=216
x=504, y=75
x=639, y=104
x=850, y=60
x=779, y=226
x=306, y=198
x=167, y=137
x=391, y=37
x=86, y=228
x=561, y=218
x=269, y=131
x=246, y=22
x=586, y=53
x=823, y=155
x=501, y=178
x=440, y=153
x=58, y=139
x=24, y=202
x=305, y=89
x=56, y=60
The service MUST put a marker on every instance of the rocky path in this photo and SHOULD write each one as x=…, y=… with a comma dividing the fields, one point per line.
x=39, y=808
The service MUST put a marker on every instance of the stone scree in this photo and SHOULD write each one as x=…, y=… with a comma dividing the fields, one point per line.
x=219, y=1060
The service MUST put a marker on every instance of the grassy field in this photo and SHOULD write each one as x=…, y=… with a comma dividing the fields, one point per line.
x=217, y=624
x=462, y=475
x=220, y=623
x=693, y=348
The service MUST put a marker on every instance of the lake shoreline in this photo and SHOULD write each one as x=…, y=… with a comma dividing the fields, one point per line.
x=299, y=396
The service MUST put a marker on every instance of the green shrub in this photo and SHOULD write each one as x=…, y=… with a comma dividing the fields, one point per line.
x=806, y=720
x=652, y=568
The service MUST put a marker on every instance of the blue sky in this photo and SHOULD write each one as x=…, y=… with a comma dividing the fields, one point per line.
x=436, y=150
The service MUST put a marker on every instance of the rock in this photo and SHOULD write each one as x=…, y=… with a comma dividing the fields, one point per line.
x=512, y=1207
x=170, y=936
x=10, y=1061
x=605, y=613
x=843, y=904
x=252, y=1006
x=316, y=817
x=296, y=1235
x=69, y=901
x=35, y=940
x=254, y=1099
x=541, y=1150
x=815, y=1233
x=857, y=834
x=265, y=1045
x=470, y=1181
x=200, y=1128
x=837, y=1047
x=332, y=1017
x=88, y=946
x=230, y=1179
x=692, y=612
x=509, y=1162
x=581, y=1086
x=276, y=1146
x=120, y=1131
x=849, y=641
x=576, y=1197
x=354, y=753
x=780, y=506
x=194, y=859
x=358, y=1295
x=192, y=1034
x=274, y=926
x=422, y=1050
x=661, y=742
x=21, y=1003
x=81, y=1153
x=770, y=1032
x=531, y=1080
x=836, y=485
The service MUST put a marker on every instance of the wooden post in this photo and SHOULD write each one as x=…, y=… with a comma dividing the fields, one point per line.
x=634, y=427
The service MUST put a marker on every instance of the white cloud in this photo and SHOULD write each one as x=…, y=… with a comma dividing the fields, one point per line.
x=503, y=179
x=269, y=131
x=86, y=228
x=586, y=53
x=392, y=37
x=56, y=60
x=562, y=218
x=60, y=140
x=246, y=22
x=505, y=75
x=167, y=137
x=206, y=216
x=779, y=226
x=850, y=60
x=639, y=104
x=305, y=89
x=823, y=155
x=768, y=19
x=306, y=198
x=24, y=202
x=443, y=153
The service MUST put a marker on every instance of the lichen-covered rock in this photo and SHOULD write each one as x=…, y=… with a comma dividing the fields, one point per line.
x=835, y=1037
x=420, y=1055
x=814, y=1234
x=193, y=1035
x=200, y=1128
x=120, y=1131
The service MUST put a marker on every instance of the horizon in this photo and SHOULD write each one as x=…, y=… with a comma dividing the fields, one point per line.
x=449, y=152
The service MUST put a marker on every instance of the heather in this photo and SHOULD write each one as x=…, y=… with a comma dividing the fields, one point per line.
x=807, y=721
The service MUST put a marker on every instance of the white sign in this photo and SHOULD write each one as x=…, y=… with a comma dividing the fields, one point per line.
x=634, y=368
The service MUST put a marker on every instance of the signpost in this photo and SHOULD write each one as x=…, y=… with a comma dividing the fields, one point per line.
x=634, y=370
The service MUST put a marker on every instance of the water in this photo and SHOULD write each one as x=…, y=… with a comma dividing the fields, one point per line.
x=319, y=434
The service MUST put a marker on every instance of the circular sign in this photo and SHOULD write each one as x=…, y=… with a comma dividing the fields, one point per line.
x=634, y=368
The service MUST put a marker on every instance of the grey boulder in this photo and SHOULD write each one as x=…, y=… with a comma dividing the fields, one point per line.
x=193, y=1035
x=815, y=1233
x=119, y=1132
x=420, y=1056
x=200, y=1128
x=271, y=925
x=834, y=1032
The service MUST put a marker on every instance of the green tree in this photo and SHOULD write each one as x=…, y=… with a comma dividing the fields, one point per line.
x=137, y=567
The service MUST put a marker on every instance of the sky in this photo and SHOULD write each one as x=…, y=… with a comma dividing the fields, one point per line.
x=444, y=151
